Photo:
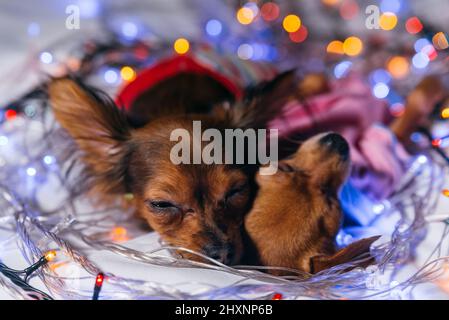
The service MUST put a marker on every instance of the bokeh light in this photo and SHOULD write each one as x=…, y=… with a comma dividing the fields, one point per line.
x=270, y=11
x=397, y=109
x=398, y=67
x=388, y=21
x=335, y=47
x=381, y=90
x=440, y=41
x=349, y=9
x=421, y=44
x=420, y=60
x=430, y=51
x=130, y=30
x=245, y=15
x=352, y=46
x=300, y=35
x=46, y=57
x=445, y=113
x=331, y=2
x=111, y=76
x=291, y=23
x=245, y=51
x=4, y=140
x=413, y=25
x=446, y=192
x=34, y=29
x=380, y=75
x=390, y=6
x=342, y=69
x=127, y=73
x=181, y=46
x=214, y=27
x=31, y=171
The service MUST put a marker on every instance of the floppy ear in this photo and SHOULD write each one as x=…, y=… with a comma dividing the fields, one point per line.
x=264, y=102
x=359, y=249
x=99, y=129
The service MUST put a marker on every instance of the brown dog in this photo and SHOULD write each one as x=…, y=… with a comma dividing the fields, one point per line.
x=296, y=214
x=199, y=207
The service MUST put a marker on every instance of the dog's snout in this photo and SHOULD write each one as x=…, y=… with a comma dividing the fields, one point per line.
x=336, y=143
x=224, y=253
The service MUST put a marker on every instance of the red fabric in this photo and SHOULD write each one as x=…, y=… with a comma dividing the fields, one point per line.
x=166, y=69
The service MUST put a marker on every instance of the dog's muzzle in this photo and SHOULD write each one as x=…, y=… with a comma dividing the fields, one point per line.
x=336, y=143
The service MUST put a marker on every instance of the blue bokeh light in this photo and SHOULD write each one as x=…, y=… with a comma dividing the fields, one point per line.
x=342, y=69
x=214, y=27
x=420, y=60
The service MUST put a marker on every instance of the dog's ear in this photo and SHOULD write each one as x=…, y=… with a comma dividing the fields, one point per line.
x=357, y=250
x=99, y=129
x=264, y=102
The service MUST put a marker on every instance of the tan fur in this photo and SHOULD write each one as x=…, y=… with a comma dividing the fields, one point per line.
x=296, y=214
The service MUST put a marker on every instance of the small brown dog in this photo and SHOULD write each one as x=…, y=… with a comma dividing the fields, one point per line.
x=296, y=214
x=196, y=206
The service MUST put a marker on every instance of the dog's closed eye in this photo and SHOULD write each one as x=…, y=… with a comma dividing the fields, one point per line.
x=285, y=167
x=163, y=206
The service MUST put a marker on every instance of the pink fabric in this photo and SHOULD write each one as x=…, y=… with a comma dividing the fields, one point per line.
x=351, y=110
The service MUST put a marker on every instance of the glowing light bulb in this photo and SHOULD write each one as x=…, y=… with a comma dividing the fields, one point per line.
x=445, y=113
x=46, y=57
x=277, y=296
x=127, y=73
x=99, y=279
x=388, y=21
x=48, y=160
x=50, y=255
x=291, y=23
x=245, y=15
x=181, y=46
x=446, y=192
x=119, y=234
x=10, y=114
x=31, y=171
x=352, y=46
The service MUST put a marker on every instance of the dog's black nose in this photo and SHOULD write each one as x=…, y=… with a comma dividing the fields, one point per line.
x=336, y=143
x=224, y=253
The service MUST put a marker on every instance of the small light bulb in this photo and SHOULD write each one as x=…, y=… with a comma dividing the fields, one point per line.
x=50, y=255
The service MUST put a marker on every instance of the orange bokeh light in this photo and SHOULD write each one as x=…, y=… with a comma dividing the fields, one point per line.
x=398, y=67
x=335, y=46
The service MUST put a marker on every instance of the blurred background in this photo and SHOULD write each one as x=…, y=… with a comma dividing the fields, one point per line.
x=407, y=37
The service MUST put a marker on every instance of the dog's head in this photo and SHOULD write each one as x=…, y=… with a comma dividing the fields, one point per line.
x=196, y=206
x=296, y=214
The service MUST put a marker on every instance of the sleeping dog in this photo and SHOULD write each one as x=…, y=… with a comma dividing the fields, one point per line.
x=196, y=206
x=296, y=214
